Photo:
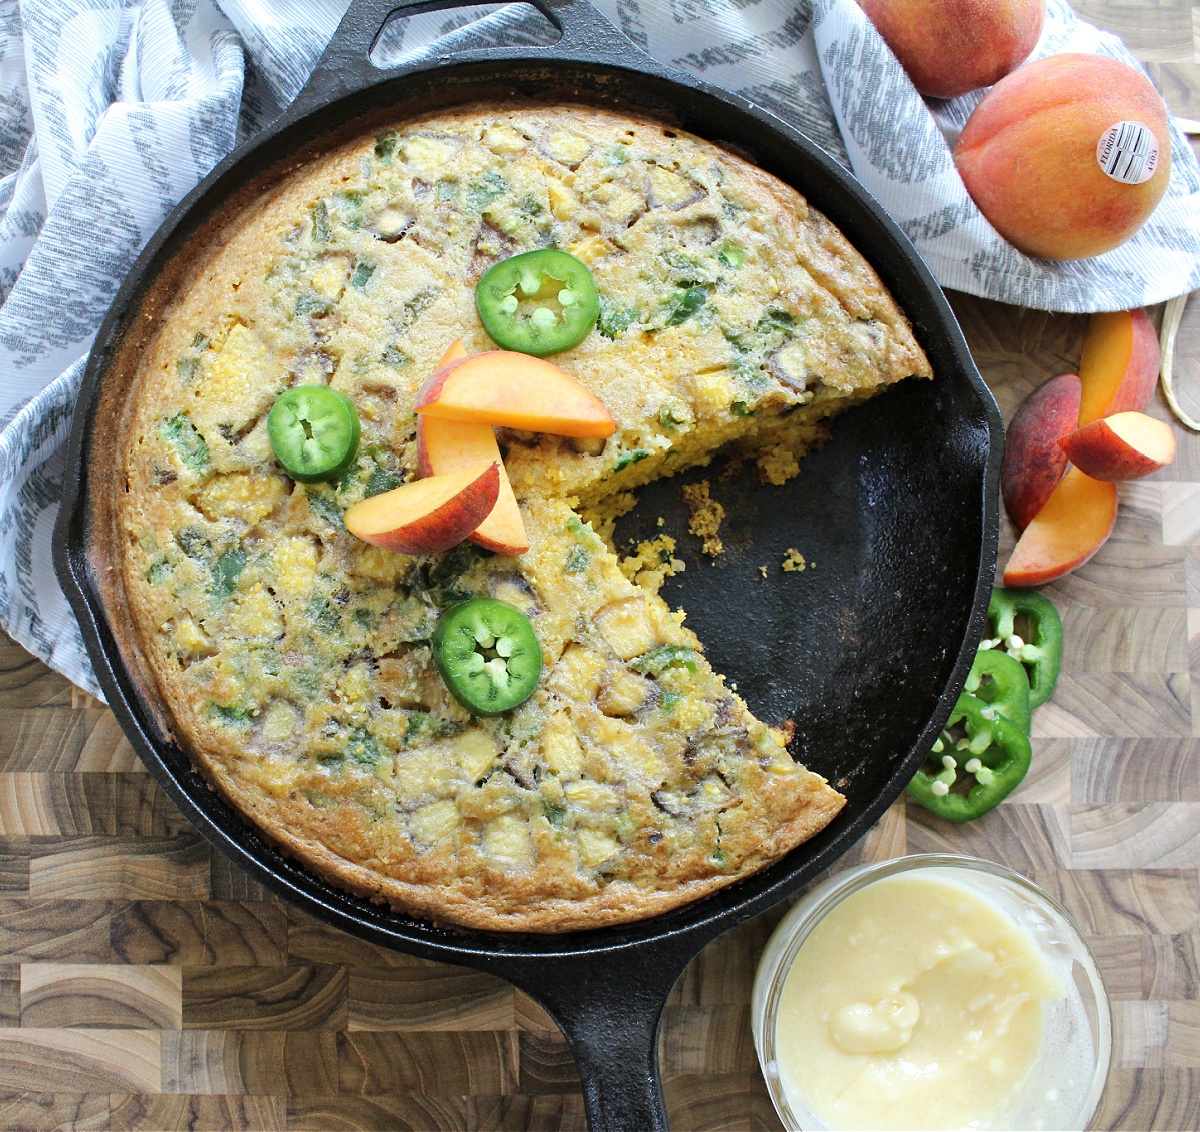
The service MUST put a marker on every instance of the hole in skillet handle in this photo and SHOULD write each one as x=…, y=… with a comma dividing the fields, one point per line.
x=368, y=31
x=505, y=24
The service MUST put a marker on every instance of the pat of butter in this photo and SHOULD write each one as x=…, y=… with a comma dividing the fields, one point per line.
x=915, y=1003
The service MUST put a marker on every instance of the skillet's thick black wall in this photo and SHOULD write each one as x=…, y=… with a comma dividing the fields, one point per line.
x=905, y=502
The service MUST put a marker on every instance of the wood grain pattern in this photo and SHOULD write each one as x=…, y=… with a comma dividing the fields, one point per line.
x=100, y=994
x=200, y=933
x=295, y=997
x=120, y=868
x=230, y=1062
x=79, y=1060
x=147, y=983
x=1135, y=770
x=440, y=998
x=145, y=1113
x=75, y=741
x=468, y=1063
x=29, y=1109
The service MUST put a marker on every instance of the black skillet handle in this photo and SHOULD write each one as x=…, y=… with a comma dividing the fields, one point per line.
x=346, y=67
x=610, y=1008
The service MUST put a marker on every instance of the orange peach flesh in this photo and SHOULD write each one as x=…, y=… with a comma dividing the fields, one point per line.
x=1119, y=364
x=1125, y=446
x=450, y=446
x=516, y=390
x=428, y=515
x=1073, y=525
x=455, y=352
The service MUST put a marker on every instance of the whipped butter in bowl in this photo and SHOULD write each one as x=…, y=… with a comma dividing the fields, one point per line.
x=931, y=992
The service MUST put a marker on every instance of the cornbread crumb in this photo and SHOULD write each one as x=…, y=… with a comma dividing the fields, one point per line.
x=652, y=564
x=778, y=464
x=763, y=571
x=706, y=517
x=794, y=562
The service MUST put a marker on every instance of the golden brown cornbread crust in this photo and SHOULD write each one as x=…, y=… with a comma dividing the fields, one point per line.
x=475, y=902
x=294, y=660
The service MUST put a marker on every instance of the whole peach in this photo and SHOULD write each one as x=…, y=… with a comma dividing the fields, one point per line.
x=1030, y=155
x=949, y=47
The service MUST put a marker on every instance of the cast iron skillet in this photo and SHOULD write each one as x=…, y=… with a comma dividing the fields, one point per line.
x=867, y=651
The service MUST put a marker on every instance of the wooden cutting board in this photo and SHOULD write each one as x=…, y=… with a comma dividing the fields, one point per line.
x=147, y=984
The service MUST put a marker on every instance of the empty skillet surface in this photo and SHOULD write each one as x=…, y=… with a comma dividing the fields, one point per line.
x=856, y=647
x=866, y=651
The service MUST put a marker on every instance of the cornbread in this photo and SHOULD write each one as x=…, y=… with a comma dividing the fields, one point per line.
x=294, y=661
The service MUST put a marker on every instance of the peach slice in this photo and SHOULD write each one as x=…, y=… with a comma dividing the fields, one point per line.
x=506, y=388
x=427, y=516
x=1033, y=461
x=445, y=446
x=455, y=352
x=1119, y=365
x=1125, y=446
x=1077, y=518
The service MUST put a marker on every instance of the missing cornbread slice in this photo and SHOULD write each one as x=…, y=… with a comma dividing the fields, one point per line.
x=294, y=661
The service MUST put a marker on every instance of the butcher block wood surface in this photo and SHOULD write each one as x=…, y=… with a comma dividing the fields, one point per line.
x=145, y=983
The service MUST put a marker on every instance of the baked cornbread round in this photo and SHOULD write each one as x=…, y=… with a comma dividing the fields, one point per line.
x=294, y=661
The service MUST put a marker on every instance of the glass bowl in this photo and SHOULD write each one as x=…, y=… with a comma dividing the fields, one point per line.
x=1082, y=1020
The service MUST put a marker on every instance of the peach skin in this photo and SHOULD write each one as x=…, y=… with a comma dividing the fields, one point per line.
x=1125, y=446
x=949, y=47
x=1033, y=461
x=429, y=515
x=1067, y=156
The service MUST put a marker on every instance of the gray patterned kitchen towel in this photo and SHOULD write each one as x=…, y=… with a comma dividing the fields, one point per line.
x=110, y=110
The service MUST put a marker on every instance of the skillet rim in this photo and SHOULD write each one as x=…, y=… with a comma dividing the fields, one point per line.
x=699, y=920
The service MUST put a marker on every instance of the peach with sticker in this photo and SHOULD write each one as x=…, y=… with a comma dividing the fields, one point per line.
x=1068, y=156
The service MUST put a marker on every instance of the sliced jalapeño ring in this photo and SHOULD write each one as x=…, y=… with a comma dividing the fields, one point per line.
x=541, y=302
x=488, y=655
x=314, y=431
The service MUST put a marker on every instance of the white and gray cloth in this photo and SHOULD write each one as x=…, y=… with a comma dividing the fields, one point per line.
x=111, y=110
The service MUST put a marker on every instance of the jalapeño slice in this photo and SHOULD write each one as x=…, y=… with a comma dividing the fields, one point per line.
x=1037, y=645
x=488, y=655
x=995, y=753
x=314, y=432
x=538, y=303
x=1000, y=681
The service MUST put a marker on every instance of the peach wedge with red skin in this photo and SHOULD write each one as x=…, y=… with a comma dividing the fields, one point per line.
x=1119, y=364
x=516, y=390
x=1033, y=461
x=445, y=446
x=1074, y=524
x=1125, y=446
x=428, y=515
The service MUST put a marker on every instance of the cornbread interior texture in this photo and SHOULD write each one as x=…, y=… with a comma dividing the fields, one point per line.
x=294, y=660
